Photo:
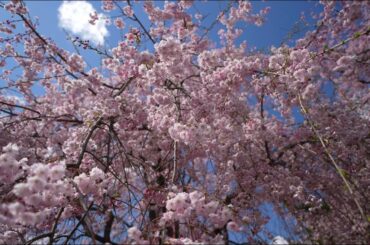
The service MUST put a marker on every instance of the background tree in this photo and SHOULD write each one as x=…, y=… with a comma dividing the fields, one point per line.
x=184, y=143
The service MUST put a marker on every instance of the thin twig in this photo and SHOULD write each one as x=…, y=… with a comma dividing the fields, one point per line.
x=84, y=145
x=174, y=161
x=19, y=106
x=78, y=224
x=327, y=152
x=52, y=232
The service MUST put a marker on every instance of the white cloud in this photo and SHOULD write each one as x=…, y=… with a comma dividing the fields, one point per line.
x=14, y=99
x=74, y=16
x=278, y=240
x=17, y=99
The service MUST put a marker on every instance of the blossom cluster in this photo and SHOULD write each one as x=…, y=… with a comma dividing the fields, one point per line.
x=182, y=139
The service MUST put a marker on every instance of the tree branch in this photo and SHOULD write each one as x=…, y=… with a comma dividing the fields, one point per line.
x=78, y=224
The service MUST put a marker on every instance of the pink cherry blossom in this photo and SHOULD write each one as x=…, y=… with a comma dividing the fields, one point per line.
x=185, y=137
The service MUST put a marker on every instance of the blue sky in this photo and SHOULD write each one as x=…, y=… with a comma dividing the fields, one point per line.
x=280, y=20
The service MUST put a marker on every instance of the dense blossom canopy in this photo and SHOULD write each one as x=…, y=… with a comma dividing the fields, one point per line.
x=186, y=142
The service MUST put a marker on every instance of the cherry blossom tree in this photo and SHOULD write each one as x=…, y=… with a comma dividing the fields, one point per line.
x=183, y=143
